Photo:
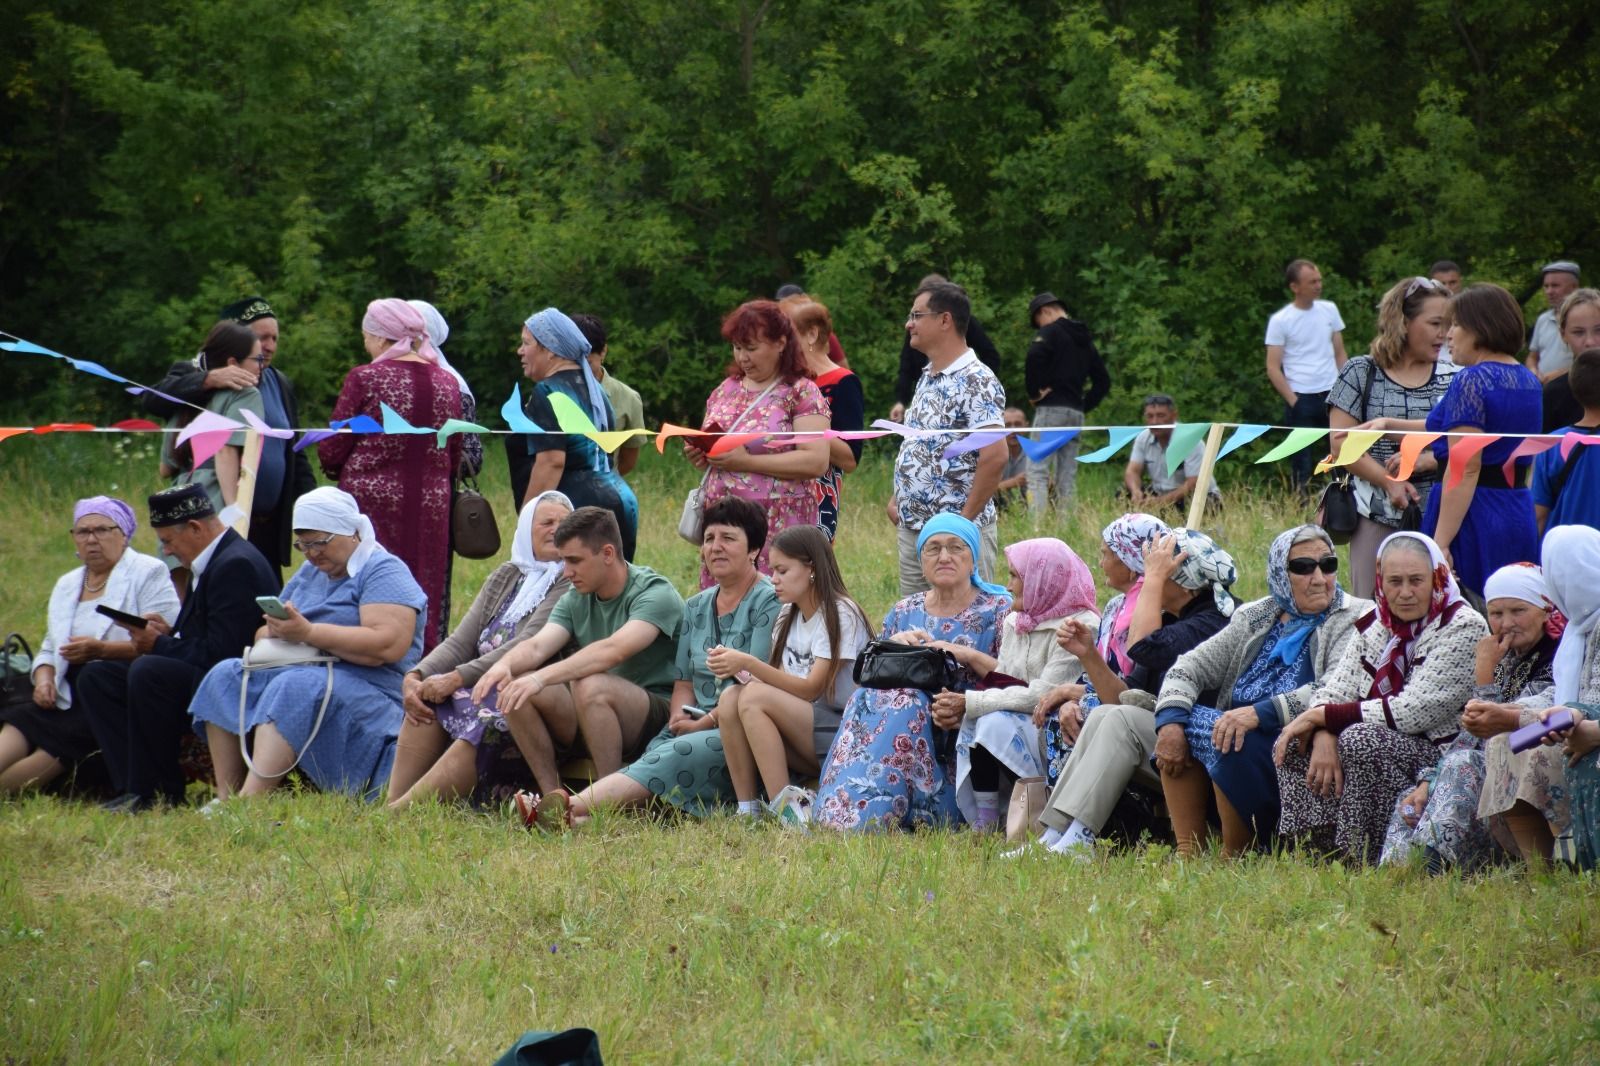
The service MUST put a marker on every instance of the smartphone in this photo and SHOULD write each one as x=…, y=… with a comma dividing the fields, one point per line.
x=694, y=712
x=272, y=607
x=707, y=438
x=122, y=618
x=1530, y=735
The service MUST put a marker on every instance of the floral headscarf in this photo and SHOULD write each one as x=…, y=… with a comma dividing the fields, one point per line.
x=1300, y=626
x=1206, y=566
x=1055, y=582
x=1127, y=537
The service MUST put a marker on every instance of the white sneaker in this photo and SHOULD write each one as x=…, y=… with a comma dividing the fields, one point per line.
x=1030, y=848
x=792, y=808
x=214, y=808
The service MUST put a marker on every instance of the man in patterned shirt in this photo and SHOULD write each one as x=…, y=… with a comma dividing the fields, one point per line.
x=956, y=391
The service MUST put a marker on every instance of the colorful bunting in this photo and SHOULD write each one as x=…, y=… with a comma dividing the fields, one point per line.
x=1240, y=437
x=1185, y=435
x=971, y=442
x=1298, y=440
x=394, y=422
x=1462, y=451
x=1120, y=436
x=1410, y=448
x=1050, y=441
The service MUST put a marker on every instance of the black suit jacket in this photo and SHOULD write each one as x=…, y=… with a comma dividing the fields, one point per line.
x=219, y=618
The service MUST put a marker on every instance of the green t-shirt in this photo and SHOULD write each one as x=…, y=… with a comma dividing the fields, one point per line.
x=647, y=597
x=229, y=403
x=748, y=629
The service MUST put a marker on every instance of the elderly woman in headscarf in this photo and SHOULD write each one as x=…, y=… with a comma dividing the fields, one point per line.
x=1122, y=547
x=1481, y=798
x=1184, y=600
x=438, y=333
x=1264, y=664
x=1386, y=710
x=891, y=766
x=353, y=601
x=39, y=742
x=403, y=482
x=1049, y=586
x=451, y=745
x=554, y=355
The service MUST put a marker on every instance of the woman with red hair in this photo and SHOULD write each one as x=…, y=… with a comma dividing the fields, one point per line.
x=768, y=391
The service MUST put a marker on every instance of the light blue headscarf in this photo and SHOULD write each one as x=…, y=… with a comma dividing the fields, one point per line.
x=963, y=528
x=562, y=336
x=1300, y=626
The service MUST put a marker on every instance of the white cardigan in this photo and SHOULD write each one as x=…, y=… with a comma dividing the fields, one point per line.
x=1034, y=657
x=139, y=584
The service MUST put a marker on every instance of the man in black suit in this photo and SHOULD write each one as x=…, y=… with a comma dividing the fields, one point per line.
x=284, y=475
x=139, y=710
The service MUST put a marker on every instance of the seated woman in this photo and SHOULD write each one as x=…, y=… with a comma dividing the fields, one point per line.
x=450, y=745
x=1386, y=709
x=784, y=718
x=1049, y=586
x=1266, y=660
x=684, y=765
x=1480, y=795
x=354, y=601
x=891, y=766
x=1184, y=601
x=38, y=743
x=1122, y=546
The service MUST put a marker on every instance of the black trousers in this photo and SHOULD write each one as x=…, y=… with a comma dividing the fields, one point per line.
x=139, y=712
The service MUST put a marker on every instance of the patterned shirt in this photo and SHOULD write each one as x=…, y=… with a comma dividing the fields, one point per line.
x=965, y=395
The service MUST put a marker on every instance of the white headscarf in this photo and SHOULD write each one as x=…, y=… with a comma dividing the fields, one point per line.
x=1519, y=581
x=1572, y=586
x=438, y=333
x=537, y=575
x=333, y=510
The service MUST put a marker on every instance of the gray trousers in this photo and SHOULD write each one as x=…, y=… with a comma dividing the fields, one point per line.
x=1114, y=746
x=911, y=579
x=1063, y=463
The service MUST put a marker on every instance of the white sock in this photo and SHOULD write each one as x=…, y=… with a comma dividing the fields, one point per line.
x=750, y=807
x=1051, y=836
x=1077, y=835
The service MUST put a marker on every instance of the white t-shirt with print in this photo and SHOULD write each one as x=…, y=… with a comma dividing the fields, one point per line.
x=808, y=642
x=1307, y=341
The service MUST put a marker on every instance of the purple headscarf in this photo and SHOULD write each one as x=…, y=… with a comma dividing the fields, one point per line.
x=119, y=513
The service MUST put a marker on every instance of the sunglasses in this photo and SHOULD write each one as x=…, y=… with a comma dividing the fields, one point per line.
x=1328, y=564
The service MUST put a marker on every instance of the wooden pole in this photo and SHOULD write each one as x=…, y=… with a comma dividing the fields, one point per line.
x=244, y=498
x=1202, y=485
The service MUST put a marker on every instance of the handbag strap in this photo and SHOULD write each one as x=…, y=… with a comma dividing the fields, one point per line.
x=762, y=395
x=316, y=727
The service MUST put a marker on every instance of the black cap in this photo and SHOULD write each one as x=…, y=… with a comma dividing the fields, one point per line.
x=1040, y=302
x=174, y=507
x=247, y=310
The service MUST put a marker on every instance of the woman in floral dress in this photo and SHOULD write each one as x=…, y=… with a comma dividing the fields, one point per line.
x=893, y=762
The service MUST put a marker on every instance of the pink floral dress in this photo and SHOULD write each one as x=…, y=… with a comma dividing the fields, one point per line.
x=787, y=503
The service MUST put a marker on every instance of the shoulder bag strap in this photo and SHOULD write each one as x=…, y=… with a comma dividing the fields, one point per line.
x=751, y=406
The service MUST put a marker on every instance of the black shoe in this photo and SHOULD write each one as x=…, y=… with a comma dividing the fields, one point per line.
x=1434, y=863
x=127, y=803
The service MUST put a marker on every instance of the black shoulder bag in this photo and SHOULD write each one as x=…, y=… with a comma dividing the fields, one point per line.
x=1337, y=512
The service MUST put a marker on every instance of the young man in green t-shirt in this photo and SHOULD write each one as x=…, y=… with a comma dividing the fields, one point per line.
x=611, y=695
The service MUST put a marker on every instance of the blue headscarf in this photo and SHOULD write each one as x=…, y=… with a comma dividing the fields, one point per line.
x=562, y=336
x=1300, y=626
x=963, y=528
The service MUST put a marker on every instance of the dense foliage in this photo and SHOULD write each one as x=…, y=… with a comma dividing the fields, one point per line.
x=1154, y=163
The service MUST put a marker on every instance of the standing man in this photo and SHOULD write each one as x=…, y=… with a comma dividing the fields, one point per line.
x=1548, y=354
x=1305, y=352
x=913, y=361
x=627, y=406
x=284, y=475
x=1062, y=361
x=1447, y=273
x=956, y=391
x=139, y=710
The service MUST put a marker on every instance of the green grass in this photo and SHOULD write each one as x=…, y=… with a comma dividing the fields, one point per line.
x=308, y=928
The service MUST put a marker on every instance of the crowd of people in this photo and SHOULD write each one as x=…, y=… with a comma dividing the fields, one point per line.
x=1367, y=720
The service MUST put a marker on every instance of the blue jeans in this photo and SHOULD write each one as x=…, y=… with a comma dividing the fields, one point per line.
x=1308, y=409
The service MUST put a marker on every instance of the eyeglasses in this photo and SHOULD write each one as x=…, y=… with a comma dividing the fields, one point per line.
x=1328, y=564
x=259, y=360
x=1420, y=282
x=952, y=550
x=913, y=316
x=94, y=532
x=306, y=547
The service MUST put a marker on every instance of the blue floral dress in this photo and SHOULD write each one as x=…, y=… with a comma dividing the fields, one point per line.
x=889, y=766
x=1247, y=777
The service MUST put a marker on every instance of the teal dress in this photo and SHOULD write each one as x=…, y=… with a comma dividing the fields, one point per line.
x=690, y=772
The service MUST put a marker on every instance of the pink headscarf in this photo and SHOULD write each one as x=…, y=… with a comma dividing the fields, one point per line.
x=398, y=321
x=1055, y=582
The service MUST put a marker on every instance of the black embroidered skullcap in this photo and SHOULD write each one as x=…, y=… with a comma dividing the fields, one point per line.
x=174, y=507
x=247, y=310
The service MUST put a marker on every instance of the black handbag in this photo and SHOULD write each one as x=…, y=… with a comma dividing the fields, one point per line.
x=889, y=664
x=16, y=670
x=473, y=532
x=1337, y=512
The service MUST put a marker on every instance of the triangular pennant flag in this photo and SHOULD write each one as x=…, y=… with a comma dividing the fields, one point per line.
x=1297, y=440
x=205, y=445
x=208, y=422
x=1530, y=446
x=610, y=440
x=511, y=411
x=1570, y=441
x=1240, y=437
x=394, y=422
x=729, y=441
x=22, y=347
x=1410, y=447
x=1185, y=435
x=138, y=390
x=1357, y=442
x=856, y=434
x=255, y=423
x=670, y=430
x=1049, y=442
x=569, y=416
x=358, y=424
x=96, y=369
x=1462, y=451
x=971, y=442
x=65, y=427
x=310, y=437
x=452, y=426
x=130, y=425
x=1120, y=436
x=12, y=431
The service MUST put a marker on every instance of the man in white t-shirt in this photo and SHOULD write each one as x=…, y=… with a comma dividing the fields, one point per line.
x=1305, y=352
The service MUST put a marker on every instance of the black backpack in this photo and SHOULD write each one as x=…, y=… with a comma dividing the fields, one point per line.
x=16, y=669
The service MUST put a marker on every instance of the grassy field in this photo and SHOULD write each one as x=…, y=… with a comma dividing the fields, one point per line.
x=307, y=928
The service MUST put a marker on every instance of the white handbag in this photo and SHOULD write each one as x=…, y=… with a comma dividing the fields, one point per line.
x=694, y=508
x=269, y=653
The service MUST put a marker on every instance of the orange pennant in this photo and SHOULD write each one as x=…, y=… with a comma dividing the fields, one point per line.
x=65, y=427
x=1462, y=451
x=1411, y=447
x=12, y=431
x=669, y=430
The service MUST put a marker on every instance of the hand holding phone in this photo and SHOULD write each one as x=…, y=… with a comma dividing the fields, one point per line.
x=707, y=438
x=127, y=621
x=272, y=607
x=694, y=712
x=1529, y=736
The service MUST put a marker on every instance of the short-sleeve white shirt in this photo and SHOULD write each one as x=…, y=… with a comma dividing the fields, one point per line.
x=1306, y=337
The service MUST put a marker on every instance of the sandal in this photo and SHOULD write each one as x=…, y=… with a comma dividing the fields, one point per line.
x=527, y=806
x=553, y=812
